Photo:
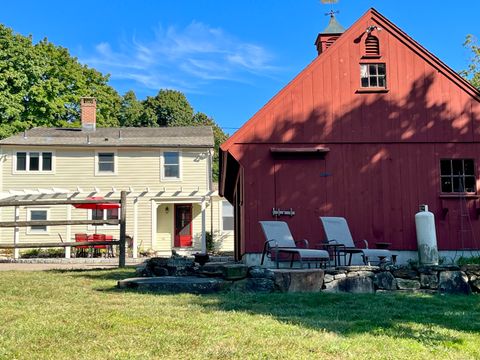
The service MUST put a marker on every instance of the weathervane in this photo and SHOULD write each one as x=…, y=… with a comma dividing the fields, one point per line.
x=331, y=12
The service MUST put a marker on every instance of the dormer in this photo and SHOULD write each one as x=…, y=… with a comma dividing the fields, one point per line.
x=326, y=38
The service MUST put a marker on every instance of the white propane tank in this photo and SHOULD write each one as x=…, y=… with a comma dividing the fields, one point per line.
x=426, y=237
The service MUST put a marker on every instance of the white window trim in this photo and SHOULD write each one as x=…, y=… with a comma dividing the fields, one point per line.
x=29, y=218
x=104, y=226
x=221, y=218
x=115, y=163
x=162, y=169
x=27, y=171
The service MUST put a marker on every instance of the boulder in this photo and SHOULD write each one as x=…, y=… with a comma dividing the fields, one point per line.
x=471, y=269
x=172, y=266
x=174, y=284
x=385, y=281
x=407, y=284
x=405, y=273
x=475, y=285
x=260, y=285
x=304, y=280
x=429, y=281
x=327, y=278
x=358, y=285
x=453, y=282
x=332, y=286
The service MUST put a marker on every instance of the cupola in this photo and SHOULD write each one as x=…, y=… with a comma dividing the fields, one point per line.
x=332, y=32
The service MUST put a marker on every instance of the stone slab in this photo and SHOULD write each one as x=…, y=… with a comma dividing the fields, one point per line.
x=299, y=280
x=356, y=285
x=234, y=271
x=174, y=284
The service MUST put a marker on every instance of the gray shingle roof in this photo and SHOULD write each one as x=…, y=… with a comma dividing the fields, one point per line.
x=188, y=136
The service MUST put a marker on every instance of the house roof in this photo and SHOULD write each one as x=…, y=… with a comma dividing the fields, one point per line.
x=188, y=136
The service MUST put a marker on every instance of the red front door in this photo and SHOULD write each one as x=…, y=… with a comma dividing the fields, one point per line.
x=183, y=225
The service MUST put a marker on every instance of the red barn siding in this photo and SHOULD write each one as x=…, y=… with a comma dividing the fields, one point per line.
x=385, y=147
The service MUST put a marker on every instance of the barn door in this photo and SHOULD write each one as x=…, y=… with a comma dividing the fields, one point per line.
x=300, y=184
x=183, y=225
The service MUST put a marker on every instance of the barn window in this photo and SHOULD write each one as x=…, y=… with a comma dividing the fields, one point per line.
x=373, y=76
x=227, y=216
x=372, y=46
x=457, y=175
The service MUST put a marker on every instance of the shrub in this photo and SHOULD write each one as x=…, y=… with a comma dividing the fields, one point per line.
x=468, y=260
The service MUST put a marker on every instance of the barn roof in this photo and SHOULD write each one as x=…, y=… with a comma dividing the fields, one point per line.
x=387, y=25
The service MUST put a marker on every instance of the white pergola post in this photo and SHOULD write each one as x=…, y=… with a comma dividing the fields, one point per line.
x=68, y=249
x=154, y=207
x=16, y=233
x=135, y=228
x=204, y=218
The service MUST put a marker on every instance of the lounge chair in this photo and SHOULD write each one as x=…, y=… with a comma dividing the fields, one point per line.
x=338, y=235
x=279, y=240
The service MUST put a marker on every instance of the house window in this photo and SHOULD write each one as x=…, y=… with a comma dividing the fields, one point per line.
x=171, y=165
x=106, y=162
x=373, y=76
x=105, y=214
x=457, y=175
x=38, y=214
x=227, y=216
x=33, y=161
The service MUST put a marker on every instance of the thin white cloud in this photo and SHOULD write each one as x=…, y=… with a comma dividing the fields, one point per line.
x=186, y=59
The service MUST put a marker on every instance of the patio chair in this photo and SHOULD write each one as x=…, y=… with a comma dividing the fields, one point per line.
x=81, y=250
x=338, y=234
x=279, y=240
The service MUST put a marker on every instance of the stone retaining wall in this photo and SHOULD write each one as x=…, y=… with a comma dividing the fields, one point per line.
x=449, y=279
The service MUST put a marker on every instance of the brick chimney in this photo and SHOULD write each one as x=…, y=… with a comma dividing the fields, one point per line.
x=326, y=38
x=88, y=105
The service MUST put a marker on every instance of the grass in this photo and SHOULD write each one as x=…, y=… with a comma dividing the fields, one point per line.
x=81, y=315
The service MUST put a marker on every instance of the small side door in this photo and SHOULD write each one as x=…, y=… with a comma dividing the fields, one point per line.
x=183, y=225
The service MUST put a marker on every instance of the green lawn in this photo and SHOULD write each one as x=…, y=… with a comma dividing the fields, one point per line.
x=81, y=315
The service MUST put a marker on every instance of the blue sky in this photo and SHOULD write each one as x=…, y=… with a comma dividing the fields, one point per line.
x=228, y=57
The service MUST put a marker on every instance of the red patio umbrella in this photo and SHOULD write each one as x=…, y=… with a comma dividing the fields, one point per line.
x=97, y=206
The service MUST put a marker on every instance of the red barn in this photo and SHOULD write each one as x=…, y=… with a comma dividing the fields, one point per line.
x=373, y=127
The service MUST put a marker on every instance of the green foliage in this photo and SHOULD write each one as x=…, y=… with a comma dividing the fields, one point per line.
x=41, y=84
x=472, y=74
x=167, y=108
x=468, y=260
x=200, y=119
x=209, y=241
x=43, y=253
x=131, y=110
